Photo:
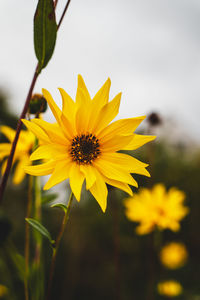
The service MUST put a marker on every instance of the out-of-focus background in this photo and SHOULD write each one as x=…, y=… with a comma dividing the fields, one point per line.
x=151, y=52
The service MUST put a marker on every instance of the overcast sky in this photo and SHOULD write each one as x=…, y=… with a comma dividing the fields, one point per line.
x=149, y=48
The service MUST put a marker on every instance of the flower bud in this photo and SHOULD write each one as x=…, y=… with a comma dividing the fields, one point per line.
x=38, y=104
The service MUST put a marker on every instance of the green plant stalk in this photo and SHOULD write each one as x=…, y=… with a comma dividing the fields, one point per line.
x=37, y=262
x=57, y=243
x=27, y=237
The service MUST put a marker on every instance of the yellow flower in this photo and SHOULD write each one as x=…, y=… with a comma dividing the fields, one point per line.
x=173, y=255
x=83, y=145
x=3, y=291
x=156, y=208
x=22, y=153
x=170, y=288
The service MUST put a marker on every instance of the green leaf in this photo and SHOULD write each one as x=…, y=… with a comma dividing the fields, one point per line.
x=49, y=198
x=60, y=205
x=40, y=228
x=45, y=30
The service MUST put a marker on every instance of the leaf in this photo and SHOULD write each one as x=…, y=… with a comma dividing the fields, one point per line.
x=49, y=198
x=40, y=228
x=60, y=205
x=45, y=31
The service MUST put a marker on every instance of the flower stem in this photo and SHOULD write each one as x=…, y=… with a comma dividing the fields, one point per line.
x=57, y=243
x=14, y=144
x=27, y=238
x=22, y=116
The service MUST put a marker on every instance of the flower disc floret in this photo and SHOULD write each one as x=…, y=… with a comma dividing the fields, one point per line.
x=85, y=149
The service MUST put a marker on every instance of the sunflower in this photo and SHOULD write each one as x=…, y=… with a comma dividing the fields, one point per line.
x=22, y=152
x=156, y=208
x=173, y=255
x=83, y=144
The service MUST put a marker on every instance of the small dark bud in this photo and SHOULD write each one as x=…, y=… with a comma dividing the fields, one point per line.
x=154, y=119
x=38, y=104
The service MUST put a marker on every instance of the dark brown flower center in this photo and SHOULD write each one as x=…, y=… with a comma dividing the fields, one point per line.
x=85, y=149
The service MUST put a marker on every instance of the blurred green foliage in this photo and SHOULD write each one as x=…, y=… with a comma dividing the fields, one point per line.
x=100, y=256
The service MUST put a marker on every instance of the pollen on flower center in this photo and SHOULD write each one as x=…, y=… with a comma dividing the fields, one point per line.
x=85, y=148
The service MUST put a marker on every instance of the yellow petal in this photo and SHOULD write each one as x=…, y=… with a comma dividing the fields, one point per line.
x=83, y=114
x=115, y=143
x=113, y=172
x=126, y=162
x=89, y=174
x=76, y=180
x=4, y=150
x=36, y=130
x=99, y=191
x=102, y=96
x=80, y=89
x=49, y=151
x=19, y=173
x=120, y=185
x=107, y=114
x=68, y=105
x=98, y=102
x=60, y=173
x=121, y=127
x=53, y=131
x=138, y=140
x=54, y=108
x=8, y=132
x=42, y=169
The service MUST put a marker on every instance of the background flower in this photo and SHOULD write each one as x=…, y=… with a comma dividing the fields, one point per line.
x=156, y=208
x=173, y=255
x=22, y=153
x=170, y=288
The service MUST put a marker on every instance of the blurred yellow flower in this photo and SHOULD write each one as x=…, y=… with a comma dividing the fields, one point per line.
x=173, y=255
x=170, y=288
x=156, y=208
x=3, y=291
x=83, y=145
x=22, y=153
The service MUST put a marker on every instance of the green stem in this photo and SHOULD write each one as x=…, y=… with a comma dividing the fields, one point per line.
x=27, y=237
x=57, y=243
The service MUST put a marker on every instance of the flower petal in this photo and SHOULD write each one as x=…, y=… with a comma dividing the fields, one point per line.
x=139, y=140
x=80, y=89
x=76, y=179
x=89, y=174
x=49, y=151
x=121, y=127
x=60, y=173
x=42, y=169
x=120, y=185
x=52, y=130
x=37, y=131
x=19, y=173
x=68, y=105
x=113, y=172
x=115, y=143
x=126, y=162
x=107, y=114
x=54, y=108
x=8, y=132
x=99, y=191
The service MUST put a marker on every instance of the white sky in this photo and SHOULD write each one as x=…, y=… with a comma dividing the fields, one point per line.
x=149, y=48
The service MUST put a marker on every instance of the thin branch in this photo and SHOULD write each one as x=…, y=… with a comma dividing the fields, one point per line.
x=63, y=14
x=23, y=114
x=14, y=144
